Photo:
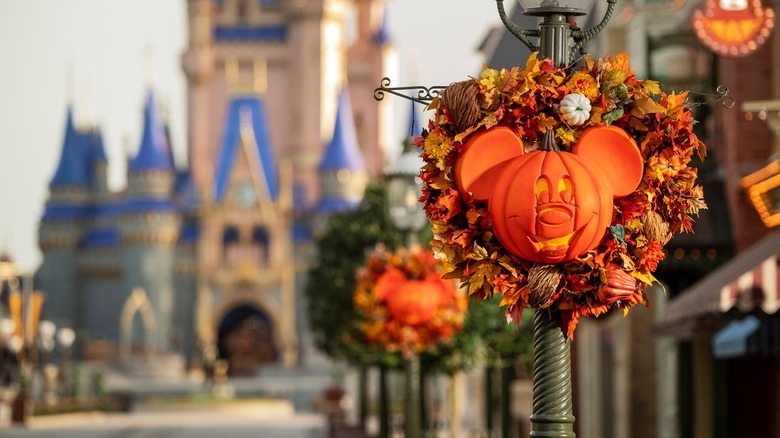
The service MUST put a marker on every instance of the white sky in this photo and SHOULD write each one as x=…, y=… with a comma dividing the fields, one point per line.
x=99, y=52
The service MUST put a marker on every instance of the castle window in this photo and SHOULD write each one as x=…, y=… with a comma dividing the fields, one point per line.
x=230, y=236
x=242, y=11
x=260, y=235
x=260, y=238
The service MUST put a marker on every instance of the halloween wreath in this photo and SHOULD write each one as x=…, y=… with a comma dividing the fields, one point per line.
x=556, y=190
x=404, y=303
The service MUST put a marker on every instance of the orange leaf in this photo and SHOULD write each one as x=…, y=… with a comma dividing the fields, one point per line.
x=623, y=63
x=645, y=105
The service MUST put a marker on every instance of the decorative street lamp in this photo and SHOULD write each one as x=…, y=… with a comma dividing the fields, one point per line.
x=47, y=331
x=66, y=336
x=553, y=415
x=552, y=395
x=8, y=389
x=404, y=188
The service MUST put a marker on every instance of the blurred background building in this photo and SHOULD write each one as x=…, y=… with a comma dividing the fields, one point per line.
x=187, y=263
x=702, y=361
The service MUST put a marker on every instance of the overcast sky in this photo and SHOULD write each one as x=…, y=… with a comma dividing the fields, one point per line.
x=99, y=53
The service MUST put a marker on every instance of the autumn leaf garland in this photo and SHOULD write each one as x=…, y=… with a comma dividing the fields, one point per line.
x=527, y=100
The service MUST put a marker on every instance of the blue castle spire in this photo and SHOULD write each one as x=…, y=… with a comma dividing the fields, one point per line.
x=72, y=170
x=343, y=151
x=414, y=126
x=342, y=154
x=382, y=35
x=97, y=152
x=155, y=152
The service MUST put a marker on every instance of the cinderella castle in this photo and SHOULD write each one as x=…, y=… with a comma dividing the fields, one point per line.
x=211, y=256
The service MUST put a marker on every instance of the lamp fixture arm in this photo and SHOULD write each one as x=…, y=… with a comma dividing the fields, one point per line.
x=521, y=34
x=583, y=36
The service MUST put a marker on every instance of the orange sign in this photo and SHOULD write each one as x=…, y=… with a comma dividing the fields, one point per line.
x=733, y=27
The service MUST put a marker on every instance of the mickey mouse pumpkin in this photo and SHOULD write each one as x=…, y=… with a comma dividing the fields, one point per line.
x=549, y=206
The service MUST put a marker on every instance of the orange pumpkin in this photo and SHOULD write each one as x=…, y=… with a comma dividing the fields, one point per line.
x=413, y=302
x=475, y=169
x=550, y=206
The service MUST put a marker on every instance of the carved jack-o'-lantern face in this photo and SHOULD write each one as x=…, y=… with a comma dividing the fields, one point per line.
x=549, y=206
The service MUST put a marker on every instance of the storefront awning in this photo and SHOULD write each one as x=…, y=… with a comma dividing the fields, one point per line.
x=747, y=283
x=732, y=341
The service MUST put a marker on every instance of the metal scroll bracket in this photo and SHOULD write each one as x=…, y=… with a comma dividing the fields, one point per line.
x=415, y=93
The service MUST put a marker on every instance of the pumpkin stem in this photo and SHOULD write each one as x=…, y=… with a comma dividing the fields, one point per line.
x=548, y=142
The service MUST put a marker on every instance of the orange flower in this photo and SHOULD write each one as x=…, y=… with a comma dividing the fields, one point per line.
x=583, y=83
x=650, y=255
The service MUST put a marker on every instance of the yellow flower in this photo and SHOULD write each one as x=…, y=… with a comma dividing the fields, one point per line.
x=583, y=83
x=438, y=145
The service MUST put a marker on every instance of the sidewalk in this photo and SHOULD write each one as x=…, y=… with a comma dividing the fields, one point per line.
x=251, y=418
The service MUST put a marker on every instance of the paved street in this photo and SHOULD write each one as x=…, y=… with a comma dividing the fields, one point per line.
x=253, y=419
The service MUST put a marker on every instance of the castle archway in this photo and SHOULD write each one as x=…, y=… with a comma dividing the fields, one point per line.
x=245, y=338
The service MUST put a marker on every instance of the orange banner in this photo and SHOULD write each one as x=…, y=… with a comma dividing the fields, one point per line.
x=15, y=306
x=33, y=315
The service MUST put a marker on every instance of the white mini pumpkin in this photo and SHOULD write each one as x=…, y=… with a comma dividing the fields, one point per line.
x=575, y=109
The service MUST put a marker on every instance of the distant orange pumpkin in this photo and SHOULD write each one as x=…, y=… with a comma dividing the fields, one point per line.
x=550, y=206
x=413, y=302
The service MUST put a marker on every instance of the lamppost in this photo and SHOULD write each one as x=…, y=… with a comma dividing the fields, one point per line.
x=65, y=338
x=46, y=333
x=404, y=188
x=9, y=347
x=552, y=397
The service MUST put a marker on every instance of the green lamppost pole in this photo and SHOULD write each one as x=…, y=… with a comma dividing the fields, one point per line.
x=552, y=397
x=404, y=188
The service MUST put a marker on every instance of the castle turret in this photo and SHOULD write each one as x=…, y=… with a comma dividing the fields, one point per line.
x=317, y=29
x=98, y=165
x=149, y=227
x=199, y=65
x=62, y=224
x=151, y=173
x=72, y=178
x=343, y=173
x=370, y=58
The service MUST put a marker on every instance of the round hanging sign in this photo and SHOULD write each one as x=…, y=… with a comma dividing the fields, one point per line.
x=733, y=27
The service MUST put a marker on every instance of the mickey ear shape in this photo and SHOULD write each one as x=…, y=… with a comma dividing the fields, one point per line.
x=616, y=153
x=483, y=153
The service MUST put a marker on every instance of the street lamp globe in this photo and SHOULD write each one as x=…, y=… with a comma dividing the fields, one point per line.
x=65, y=337
x=404, y=188
x=6, y=328
x=15, y=344
x=47, y=330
